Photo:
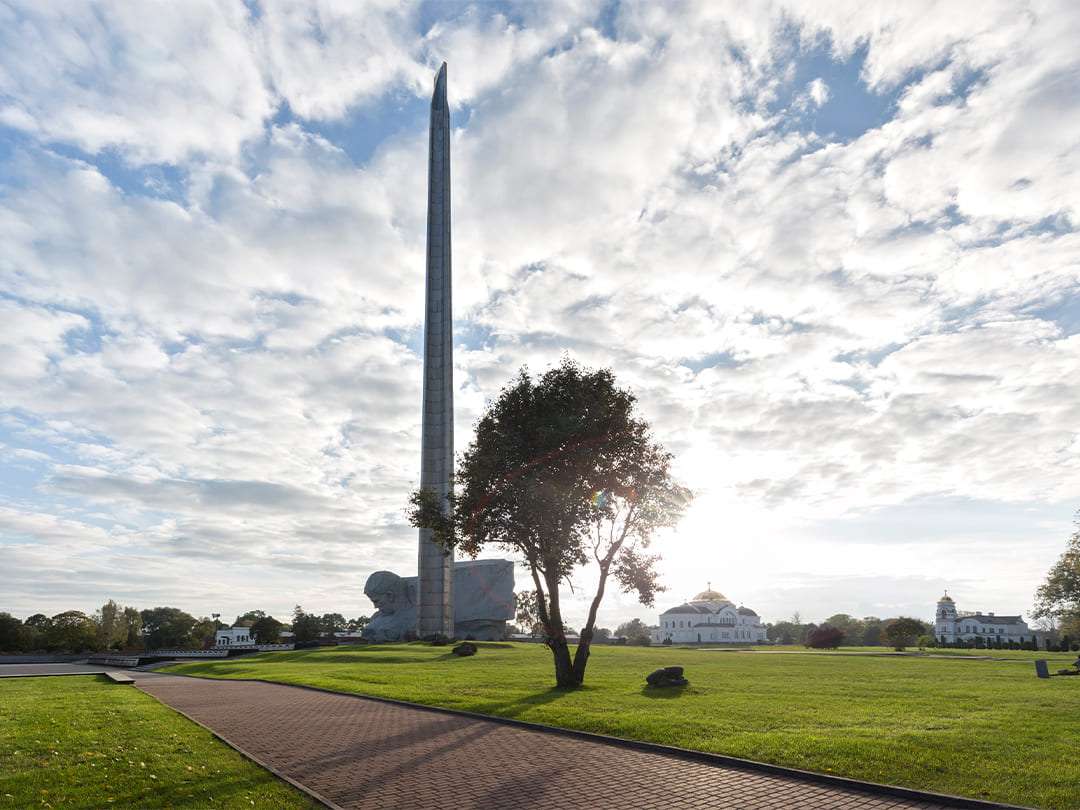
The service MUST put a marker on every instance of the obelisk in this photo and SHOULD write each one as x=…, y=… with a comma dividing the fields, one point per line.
x=435, y=609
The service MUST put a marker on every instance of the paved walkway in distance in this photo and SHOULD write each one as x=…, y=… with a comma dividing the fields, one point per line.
x=34, y=670
x=360, y=753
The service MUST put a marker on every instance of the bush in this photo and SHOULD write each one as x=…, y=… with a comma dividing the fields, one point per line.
x=825, y=637
x=903, y=631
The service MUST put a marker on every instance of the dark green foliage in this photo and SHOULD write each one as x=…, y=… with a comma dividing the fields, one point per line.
x=11, y=633
x=306, y=627
x=266, y=630
x=71, y=631
x=333, y=623
x=634, y=631
x=903, y=632
x=358, y=624
x=249, y=618
x=825, y=637
x=167, y=627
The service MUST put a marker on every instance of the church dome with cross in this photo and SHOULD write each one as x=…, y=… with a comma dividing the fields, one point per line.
x=709, y=595
x=710, y=617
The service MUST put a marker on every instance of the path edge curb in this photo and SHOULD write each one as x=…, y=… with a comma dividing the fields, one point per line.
x=876, y=788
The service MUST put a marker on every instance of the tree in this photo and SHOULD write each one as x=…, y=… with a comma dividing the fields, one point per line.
x=787, y=632
x=112, y=633
x=204, y=633
x=903, y=632
x=358, y=624
x=561, y=472
x=871, y=636
x=39, y=621
x=306, y=627
x=249, y=618
x=11, y=633
x=526, y=613
x=635, y=632
x=132, y=622
x=852, y=628
x=333, y=623
x=72, y=630
x=266, y=630
x=601, y=634
x=167, y=627
x=825, y=637
x=1059, y=597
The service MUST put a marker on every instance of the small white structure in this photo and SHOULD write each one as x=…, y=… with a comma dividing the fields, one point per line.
x=710, y=617
x=951, y=625
x=234, y=637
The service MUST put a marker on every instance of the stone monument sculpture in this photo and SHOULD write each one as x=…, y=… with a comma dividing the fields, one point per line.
x=483, y=602
x=435, y=600
x=471, y=598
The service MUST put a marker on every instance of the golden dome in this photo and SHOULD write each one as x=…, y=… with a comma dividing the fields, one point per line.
x=710, y=596
x=946, y=598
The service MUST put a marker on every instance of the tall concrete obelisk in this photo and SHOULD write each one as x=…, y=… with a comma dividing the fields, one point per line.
x=435, y=611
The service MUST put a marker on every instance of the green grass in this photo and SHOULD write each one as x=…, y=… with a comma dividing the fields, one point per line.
x=84, y=742
x=984, y=729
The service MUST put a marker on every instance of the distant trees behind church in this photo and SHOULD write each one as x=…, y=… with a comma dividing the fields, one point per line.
x=119, y=627
x=866, y=632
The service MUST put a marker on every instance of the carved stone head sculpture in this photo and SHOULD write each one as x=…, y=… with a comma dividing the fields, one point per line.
x=388, y=592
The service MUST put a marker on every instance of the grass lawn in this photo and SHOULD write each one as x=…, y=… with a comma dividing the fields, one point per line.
x=83, y=742
x=985, y=729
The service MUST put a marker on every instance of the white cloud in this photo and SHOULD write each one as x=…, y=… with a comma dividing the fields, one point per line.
x=819, y=330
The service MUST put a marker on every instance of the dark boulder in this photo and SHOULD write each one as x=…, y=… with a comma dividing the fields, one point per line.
x=467, y=648
x=668, y=676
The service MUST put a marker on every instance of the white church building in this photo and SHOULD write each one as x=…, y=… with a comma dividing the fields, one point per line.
x=710, y=617
x=952, y=625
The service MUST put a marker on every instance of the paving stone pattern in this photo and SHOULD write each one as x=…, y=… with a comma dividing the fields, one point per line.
x=360, y=753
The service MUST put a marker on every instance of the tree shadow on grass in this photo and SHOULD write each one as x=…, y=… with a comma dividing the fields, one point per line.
x=515, y=708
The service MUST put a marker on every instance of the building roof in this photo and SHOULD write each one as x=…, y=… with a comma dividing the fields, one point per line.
x=687, y=608
x=745, y=611
x=946, y=598
x=709, y=595
x=984, y=618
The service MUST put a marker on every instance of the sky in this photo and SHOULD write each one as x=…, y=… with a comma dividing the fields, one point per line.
x=832, y=248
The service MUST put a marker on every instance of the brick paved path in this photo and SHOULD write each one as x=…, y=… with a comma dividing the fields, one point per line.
x=360, y=753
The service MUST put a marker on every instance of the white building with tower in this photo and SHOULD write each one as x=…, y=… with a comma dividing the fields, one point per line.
x=952, y=625
x=710, y=617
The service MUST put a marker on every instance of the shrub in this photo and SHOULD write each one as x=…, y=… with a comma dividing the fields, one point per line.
x=825, y=637
x=903, y=632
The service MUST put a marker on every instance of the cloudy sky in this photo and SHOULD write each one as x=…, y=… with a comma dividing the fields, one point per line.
x=832, y=247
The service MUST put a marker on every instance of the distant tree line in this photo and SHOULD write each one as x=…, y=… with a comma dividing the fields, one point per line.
x=866, y=632
x=116, y=627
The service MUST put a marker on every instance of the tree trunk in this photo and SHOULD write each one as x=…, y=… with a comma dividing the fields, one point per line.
x=564, y=669
x=560, y=650
x=581, y=657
